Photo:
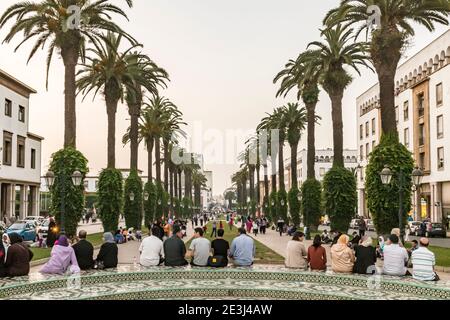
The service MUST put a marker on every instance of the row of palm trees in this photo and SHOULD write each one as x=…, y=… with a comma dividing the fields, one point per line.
x=324, y=65
x=94, y=47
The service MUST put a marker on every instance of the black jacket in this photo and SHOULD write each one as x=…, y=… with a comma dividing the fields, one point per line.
x=174, y=252
x=84, y=252
x=108, y=255
x=366, y=257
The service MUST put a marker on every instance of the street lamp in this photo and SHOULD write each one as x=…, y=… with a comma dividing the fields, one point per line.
x=146, y=195
x=417, y=176
x=386, y=175
x=131, y=195
x=77, y=179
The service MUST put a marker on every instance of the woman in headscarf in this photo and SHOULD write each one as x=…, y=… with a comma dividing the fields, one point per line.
x=342, y=257
x=62, y=258
x=4, y=245
x=107, y=257
x=366, y=257
x=18, y=257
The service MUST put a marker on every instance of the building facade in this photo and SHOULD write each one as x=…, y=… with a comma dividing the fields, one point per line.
x=422, y=112
x=20, y=151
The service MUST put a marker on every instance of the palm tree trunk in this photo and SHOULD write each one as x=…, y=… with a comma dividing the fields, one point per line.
x=175, y=183
x=338, y=133
x=311, y=158
x=281, y=164
x=180, y=189
x=294, y=148
x=252, y=182
x=266, y=181
x=166, y=164
x=134, y=111
x=70, y=58
x=244, y=190
x=150, y=144
x=158, y=159
x=258, y=190
x=111, y=109
x=387, y=100
x=171, y=188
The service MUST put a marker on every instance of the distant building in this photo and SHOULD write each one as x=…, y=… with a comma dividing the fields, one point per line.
x=20, y=151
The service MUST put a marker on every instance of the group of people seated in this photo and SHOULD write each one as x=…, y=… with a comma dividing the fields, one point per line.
x=201, y=253
x=360, y=256
x=123, y=235
x=15, y=256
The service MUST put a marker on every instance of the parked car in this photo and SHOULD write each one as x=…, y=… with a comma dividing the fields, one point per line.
x=437, y=230
x=354, y=224
x=38, y=219
x=414, y=226
x=24, y=229
x=44, y=228
x=370, y=225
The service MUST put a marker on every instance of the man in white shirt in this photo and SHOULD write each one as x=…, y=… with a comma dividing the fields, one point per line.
x=423, y=261
x=395, y=258
x=152, y=250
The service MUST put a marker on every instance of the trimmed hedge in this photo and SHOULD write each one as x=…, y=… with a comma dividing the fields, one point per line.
x=133, y=209
x=311, y=203
x=294, y=206
x=283, y=205
x=110, y=193
x=150, y=204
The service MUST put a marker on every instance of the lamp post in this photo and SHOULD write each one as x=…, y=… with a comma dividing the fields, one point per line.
x=386, y=177
x=77, y=179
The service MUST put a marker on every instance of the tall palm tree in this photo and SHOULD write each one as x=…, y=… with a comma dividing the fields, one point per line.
x=48, y=22
x=390, y=38
x=111, y=73
x=151, y=77
x=296, y=75
x=330, y=57
x=199, y=182
x=295, y=120
x=266, y=126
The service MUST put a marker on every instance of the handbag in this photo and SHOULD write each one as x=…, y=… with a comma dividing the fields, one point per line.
x=217, y=261
x=99, y=265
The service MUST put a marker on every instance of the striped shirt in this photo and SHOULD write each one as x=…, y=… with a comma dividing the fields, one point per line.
x=423, y=261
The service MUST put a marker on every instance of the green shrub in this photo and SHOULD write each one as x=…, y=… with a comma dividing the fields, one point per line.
x=177, y=207
x=283, y=205
x=63, y=164
x=273, y=206
x=187, y=207
x=133, y=208
x=294, y=206
x=383, y=201
x=340, y=196
x=110, y=192
x=311, y=203
x=150, y=204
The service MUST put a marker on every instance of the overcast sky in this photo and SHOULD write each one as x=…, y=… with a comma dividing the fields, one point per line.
x=221, y=57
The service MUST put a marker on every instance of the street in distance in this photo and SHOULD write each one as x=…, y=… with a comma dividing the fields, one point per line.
x=232, y=309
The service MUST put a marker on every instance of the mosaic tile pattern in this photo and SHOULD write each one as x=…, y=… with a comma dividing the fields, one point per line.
x=269, y=282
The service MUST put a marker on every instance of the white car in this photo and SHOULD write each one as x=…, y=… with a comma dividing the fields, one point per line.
x=44, y=228
x=37, y=219
x=370, y=225
x=354, y=224
x=414, y=226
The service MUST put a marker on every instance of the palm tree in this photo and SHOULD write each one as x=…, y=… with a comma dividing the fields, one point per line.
x=266, y=126
x=390, y=39
x=199, y=182
x=151, y=77
x=294, y=119
x=306, y=81
x=111, y=73
x=48, y=22
x=338, y=51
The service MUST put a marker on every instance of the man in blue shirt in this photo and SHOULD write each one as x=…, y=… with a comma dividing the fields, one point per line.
x=242, y=249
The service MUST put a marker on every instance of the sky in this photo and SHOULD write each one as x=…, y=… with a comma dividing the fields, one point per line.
x=221, y=57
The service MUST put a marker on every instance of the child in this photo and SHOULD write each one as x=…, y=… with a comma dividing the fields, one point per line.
x=255, y=228
x=139, y=235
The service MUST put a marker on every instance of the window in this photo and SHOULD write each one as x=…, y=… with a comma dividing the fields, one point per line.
x=422, y=160
x=396, y=114
x=440, y=155
x=367, y=150
x=8, y=108
x=7, y=148
x=21, y=114
x=33, y=158
x=20, y=152
x=361, y=132
x=406, y=137
x=439, y=95
x=361, y=152
x=322, y=172
x=406, y=111
x=86, y=184
x=440, y=127
x=421, y=134
x=367, y=128
x=421, y=106
x=373, y=127
x=373, y=145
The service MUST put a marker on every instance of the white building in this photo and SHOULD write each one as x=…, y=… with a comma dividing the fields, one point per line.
x=20, y=154
x=422, y=112
x=324, y=162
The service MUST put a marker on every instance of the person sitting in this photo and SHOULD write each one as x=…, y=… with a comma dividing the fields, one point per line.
x=366, y=257
x=336, y=236
x=4, y=244
x=174, y=249
x=199, y=249
x=119, y=237
x=342, y=257
x=18, y=257
x=317, y=255
x=414, y=247
x=395, y=258
x=62, y=259
x=242, y=249
x=84, y=251
x=355, y=240
x=151, y=249
x=325, y=237
x=220, y=249
x=292, y=230
x=423, y=261
x=108, y=255
x=296, y=253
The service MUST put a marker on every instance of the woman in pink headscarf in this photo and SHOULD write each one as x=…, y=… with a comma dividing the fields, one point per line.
x=62, y=259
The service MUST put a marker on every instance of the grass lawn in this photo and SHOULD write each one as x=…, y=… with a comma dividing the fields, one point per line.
x=442, y=254
x=41, y=253
x=264, y=255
